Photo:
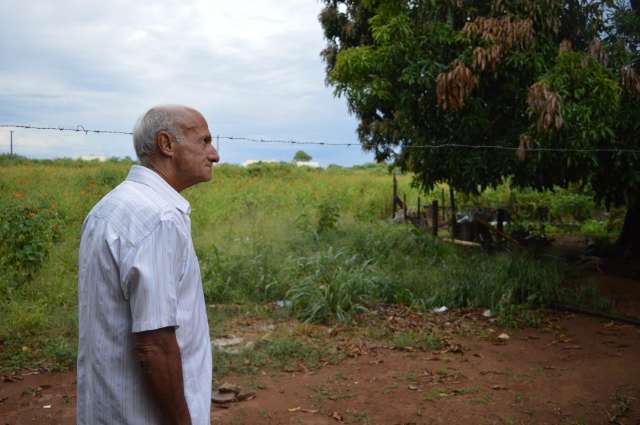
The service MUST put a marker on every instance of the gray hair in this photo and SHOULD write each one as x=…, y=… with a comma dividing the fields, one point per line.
x=147, y=127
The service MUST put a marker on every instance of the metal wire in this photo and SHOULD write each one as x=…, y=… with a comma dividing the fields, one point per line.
x=78, y=129
x=81, y=129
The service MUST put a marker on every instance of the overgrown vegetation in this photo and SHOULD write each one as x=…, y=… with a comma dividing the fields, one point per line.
x=526, y=77
x=315, y=241
x=28, y=229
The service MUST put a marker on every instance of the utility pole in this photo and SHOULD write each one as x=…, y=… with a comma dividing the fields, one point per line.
x=11, y=131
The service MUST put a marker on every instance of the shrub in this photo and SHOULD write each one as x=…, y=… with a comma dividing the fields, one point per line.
x=328, y=216
x=28, y=230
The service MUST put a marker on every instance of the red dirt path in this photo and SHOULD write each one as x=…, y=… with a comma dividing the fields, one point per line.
x=575, y=370
x=579, y=371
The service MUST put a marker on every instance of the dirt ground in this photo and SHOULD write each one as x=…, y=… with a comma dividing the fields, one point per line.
x=572, y=370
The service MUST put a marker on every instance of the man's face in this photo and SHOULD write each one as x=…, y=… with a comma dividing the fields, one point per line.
x=195, y=155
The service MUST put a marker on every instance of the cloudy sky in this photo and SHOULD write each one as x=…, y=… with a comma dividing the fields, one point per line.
x=251, y=66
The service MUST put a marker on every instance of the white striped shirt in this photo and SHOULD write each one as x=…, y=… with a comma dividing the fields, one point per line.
x=138, y=271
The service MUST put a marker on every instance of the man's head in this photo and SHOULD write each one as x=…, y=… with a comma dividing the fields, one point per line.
x=175, y=141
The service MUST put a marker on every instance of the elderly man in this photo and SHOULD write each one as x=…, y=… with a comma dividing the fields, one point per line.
x=144, y=352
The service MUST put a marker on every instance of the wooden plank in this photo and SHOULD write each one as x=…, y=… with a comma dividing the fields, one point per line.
x=461, y=243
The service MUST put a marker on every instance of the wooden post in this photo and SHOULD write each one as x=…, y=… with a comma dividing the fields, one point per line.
x=453, y=212
x=444, y=208
x=434, y=217
x=395, y=196
x=500, y=219
x=404, y=200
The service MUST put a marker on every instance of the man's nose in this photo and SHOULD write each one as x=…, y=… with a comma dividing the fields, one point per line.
x=213, y=155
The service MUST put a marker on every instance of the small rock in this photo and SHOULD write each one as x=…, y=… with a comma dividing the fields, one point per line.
x=229, y=388
x=503, y=337
x=487, y=313
x=222, y=398
x=246, y=396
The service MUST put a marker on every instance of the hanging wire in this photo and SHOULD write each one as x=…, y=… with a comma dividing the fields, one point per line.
x=82, y=129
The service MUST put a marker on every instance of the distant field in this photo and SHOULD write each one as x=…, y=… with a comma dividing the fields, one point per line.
x=320, y=239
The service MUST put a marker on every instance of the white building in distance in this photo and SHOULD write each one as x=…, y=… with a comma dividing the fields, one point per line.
x=257, y=161
x=98, y=158
x=311, y=164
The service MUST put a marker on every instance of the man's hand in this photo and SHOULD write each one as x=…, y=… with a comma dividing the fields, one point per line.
x=161, y=364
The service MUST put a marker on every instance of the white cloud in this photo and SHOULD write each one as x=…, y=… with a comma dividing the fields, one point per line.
x=252, y=67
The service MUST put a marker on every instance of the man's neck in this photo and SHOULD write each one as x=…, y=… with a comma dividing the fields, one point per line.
x=166, y=175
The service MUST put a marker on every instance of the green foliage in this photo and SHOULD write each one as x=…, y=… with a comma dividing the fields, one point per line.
x=578, y=207
x=302, y=156
x=417, y=340
x=587, y=296
x=329, y=214
x=591, y=99
x=281, y=353
x=263, y=169
x=110, y=177
x=251, y=274
x=28, y=230
x=518, y=315
x=386, y=59
x=63, y=351
x=331, y=285
x=499, y=283
x=258, y=243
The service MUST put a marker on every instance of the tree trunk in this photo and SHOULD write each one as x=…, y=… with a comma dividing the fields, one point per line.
x=629, y=239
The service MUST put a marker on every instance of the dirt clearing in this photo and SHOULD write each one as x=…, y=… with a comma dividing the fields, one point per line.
x=573, y=370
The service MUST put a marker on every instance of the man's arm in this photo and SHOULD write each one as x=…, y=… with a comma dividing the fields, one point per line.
x=159, y=357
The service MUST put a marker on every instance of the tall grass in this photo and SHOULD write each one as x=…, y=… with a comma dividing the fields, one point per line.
x=243, y=224
x=318, y=239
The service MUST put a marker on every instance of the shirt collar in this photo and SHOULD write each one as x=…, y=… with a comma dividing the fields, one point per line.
x=148, y=177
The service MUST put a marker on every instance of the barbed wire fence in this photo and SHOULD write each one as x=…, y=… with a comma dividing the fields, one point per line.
x=218, y=137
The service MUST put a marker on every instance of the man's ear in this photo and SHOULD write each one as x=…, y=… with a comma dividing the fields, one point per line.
x=163, y=143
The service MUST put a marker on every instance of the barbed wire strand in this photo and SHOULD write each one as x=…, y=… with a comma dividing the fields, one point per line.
x=81, y=129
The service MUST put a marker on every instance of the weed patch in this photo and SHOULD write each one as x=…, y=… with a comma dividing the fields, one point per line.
x=28, y=230
x=416, y=340
x=280, y=354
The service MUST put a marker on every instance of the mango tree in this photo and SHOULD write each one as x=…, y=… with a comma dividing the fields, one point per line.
x=555, y=84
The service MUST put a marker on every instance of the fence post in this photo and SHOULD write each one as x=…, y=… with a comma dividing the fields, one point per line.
x=500, y=219
x=434, y=217
x=404, y=200
x=395, y=196
x=444, y=208
x=453, y=212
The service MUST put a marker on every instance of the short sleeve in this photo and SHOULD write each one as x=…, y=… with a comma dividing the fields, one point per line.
x=151, y=277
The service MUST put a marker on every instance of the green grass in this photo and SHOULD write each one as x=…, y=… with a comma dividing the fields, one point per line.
x=281, y=354
x=417, y=340
x=316, y=238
